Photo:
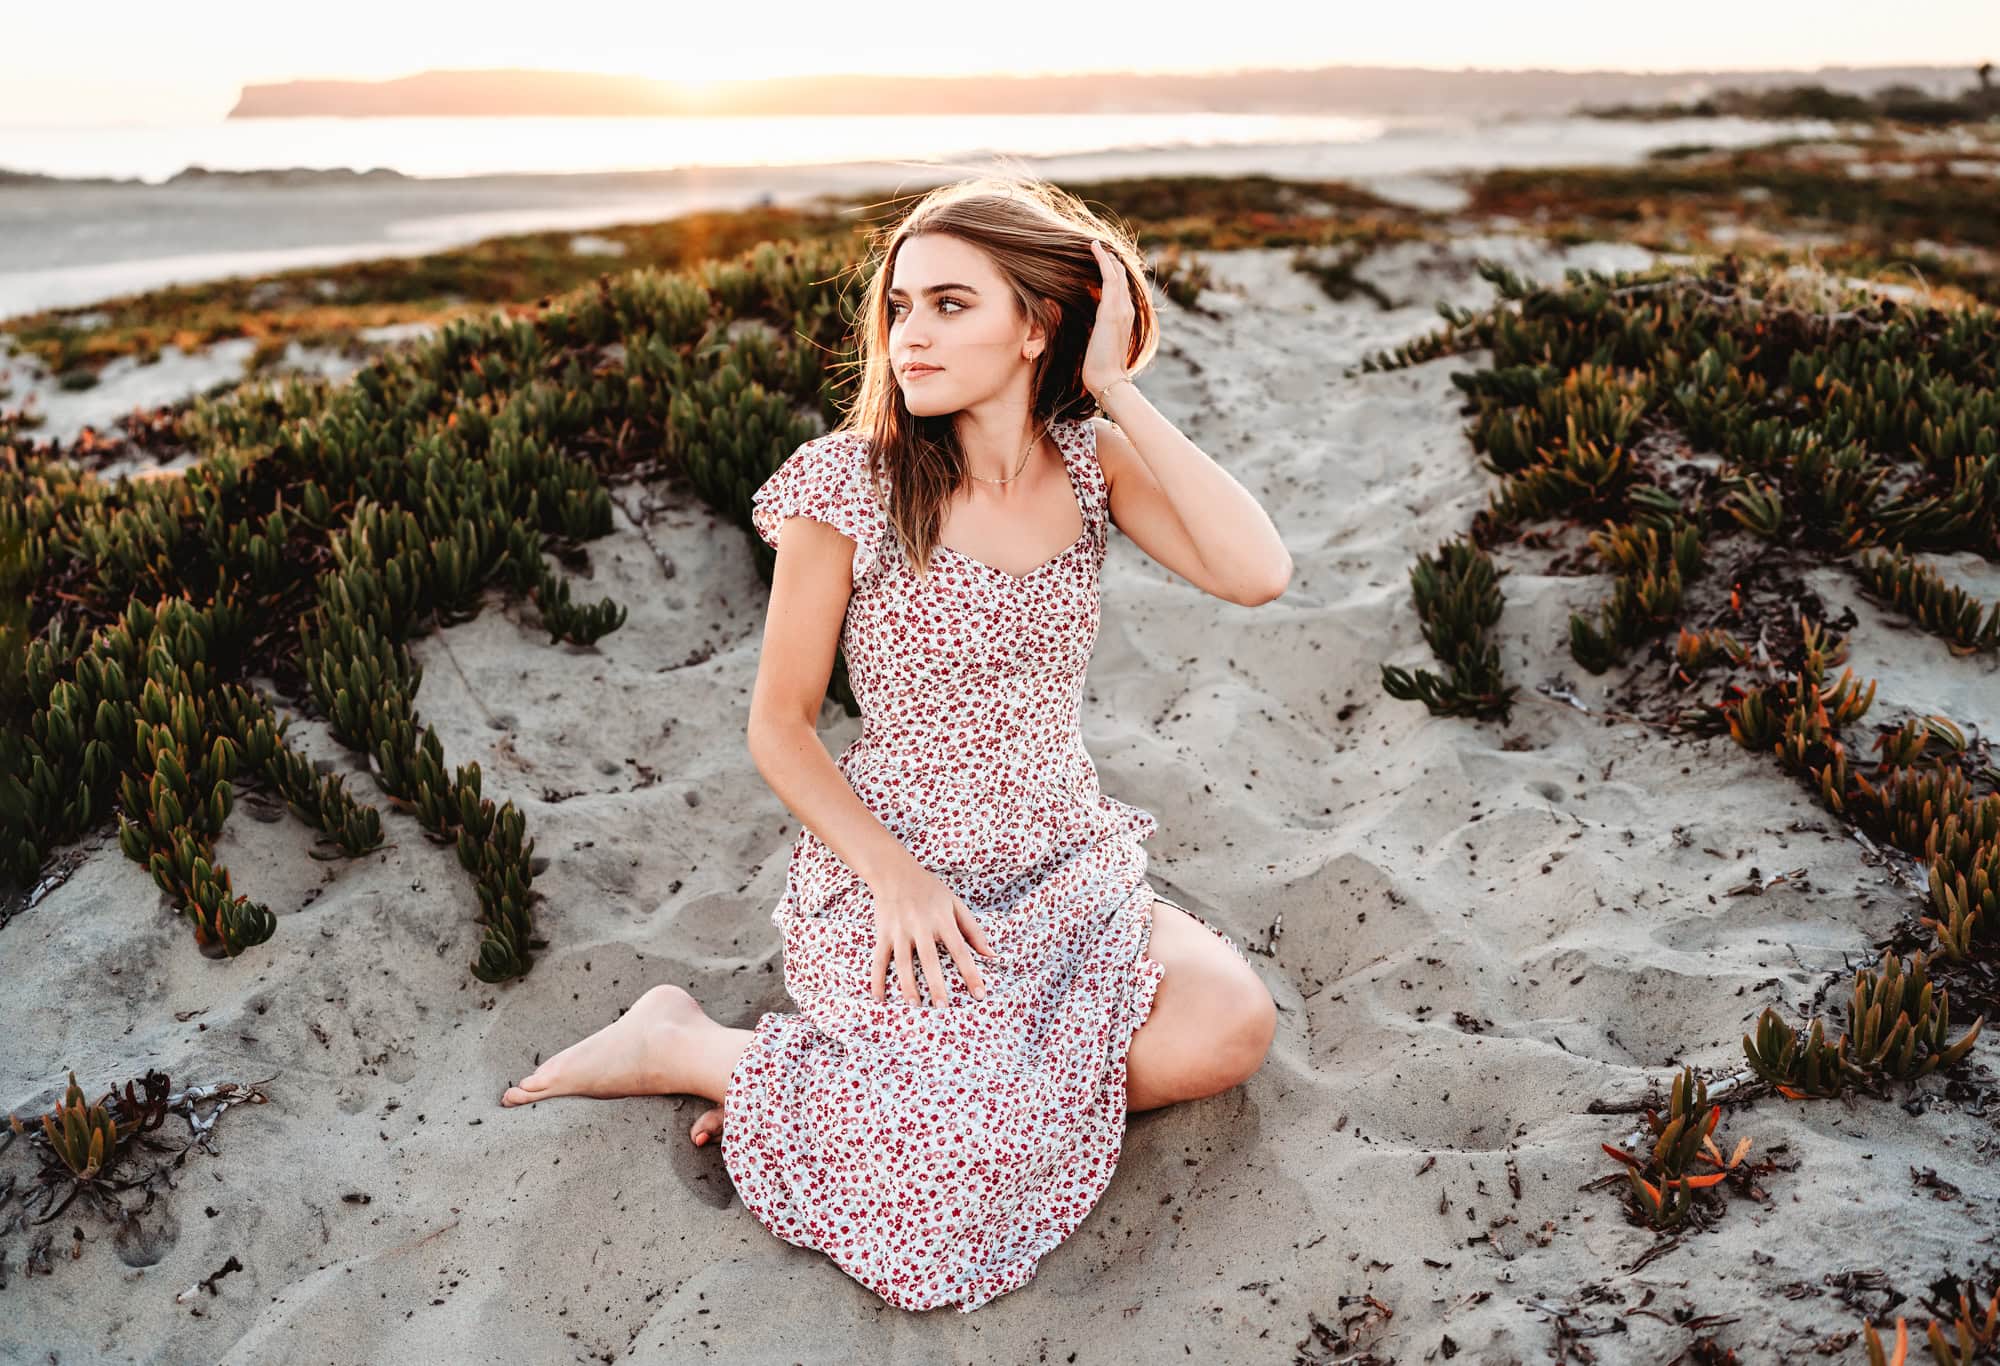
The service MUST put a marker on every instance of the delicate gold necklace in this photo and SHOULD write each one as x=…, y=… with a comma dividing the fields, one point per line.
x=1024, y=461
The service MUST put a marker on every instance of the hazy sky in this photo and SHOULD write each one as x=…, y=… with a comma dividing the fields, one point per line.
x=110, y=61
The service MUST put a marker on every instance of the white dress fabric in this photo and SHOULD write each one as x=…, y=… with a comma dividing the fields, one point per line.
x=935, y=1152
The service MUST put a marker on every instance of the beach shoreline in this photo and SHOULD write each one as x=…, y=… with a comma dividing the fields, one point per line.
x=67, y=245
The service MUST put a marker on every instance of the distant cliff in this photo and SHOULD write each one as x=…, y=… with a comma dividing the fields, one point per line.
x=1326, y=90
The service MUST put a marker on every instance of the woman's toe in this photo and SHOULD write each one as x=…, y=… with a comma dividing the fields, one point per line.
x=532, y=1087
x=707, y=1127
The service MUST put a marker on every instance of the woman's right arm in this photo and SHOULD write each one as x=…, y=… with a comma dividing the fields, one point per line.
x=809, y=591
x=914, y=910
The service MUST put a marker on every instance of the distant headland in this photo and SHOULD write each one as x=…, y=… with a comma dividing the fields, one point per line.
x=1323, y=90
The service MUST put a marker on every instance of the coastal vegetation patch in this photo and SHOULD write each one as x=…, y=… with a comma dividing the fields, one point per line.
x=1919, y=210
x=324, y=527
x=1726, y=428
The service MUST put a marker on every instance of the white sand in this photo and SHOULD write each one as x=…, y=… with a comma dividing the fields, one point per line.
x=1485, y=929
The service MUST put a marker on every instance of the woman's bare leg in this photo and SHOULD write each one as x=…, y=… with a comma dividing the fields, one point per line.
x=1212, y=1019
x=664, y=1045
x=717, y=1052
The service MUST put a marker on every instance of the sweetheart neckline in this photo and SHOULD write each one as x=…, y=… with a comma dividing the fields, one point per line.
x=1049, y=563
x=1077, y=491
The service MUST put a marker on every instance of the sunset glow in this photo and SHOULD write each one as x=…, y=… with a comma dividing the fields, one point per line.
x=121, y=61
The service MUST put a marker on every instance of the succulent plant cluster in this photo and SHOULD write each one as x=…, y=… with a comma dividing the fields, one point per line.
x=87, y=1138
x=324, y=527
x=1859, y=430
x=1919, y=795
x=1683, y=1159
x=1653, y=557
x=91, y=1150
x=1898, y=1029
x=1457, y=589
x=1921, y=594
x=1848, y=428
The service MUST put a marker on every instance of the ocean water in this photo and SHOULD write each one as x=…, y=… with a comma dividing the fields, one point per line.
x=448, y=147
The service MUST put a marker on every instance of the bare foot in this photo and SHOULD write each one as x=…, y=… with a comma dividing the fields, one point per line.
x=634, y=1055
x=707, y=1127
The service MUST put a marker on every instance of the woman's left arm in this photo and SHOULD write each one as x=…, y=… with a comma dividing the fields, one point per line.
x=1181, y=507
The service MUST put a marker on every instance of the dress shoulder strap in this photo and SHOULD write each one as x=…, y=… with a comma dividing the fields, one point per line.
x=1078, y=442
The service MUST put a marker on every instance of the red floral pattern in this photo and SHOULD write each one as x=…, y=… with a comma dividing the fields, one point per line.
x=935, y=1152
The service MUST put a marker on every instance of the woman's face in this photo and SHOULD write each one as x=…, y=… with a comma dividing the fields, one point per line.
x=949, y=308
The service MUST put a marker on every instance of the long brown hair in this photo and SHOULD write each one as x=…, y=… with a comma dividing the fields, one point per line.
x=1038, y=237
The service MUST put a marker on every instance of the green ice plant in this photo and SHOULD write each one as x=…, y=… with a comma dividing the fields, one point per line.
x=1898, y=1024
x=85, y=1137
x=1922, y=594
x=325, y=525
x=1457, y=597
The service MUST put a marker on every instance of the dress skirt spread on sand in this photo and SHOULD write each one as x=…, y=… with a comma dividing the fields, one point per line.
x=935, y=1152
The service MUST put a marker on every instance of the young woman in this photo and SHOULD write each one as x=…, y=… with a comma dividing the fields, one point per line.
x=968, y=930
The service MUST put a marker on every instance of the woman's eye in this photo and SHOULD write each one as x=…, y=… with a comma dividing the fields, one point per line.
x=941, y=303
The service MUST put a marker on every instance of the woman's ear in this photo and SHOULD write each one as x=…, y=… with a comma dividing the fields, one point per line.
x=1037, y=341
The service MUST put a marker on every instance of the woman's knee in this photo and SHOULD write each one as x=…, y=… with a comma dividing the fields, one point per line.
x=1220, y=998
x=1253, y=1024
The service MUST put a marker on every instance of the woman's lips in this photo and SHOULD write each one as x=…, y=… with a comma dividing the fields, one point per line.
x=920, y=372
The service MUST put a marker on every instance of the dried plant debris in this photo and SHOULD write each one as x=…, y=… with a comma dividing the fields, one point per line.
x=1362, y=1318
x=94, y=1151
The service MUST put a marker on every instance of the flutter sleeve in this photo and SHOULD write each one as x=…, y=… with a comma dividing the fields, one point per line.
x=825, y=479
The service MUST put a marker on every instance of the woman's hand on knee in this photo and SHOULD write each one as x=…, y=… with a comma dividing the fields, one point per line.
x=914, y=913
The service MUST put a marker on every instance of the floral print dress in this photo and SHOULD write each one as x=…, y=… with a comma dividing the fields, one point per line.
x=935, y=1152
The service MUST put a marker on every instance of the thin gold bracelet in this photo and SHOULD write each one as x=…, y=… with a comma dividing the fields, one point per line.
x=1122, y=379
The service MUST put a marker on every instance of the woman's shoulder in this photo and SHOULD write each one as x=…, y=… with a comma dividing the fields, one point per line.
x=829, y=454
x=832, y=464
x=840, y=457
x=826, y=479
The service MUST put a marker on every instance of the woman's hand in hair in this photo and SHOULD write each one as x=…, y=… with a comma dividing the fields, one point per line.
x=914, y=913
x=1111, y=336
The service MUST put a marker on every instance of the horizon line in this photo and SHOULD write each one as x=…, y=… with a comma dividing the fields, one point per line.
x=1961, y=64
